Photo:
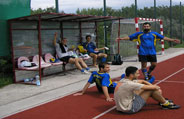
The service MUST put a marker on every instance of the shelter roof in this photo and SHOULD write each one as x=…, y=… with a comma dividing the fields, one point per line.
x=65, y=17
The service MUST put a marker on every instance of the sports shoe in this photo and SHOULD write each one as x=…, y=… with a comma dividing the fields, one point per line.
x=85, y=72
x=170, y=105
x=87, y=69
x=106, y=48
x=173, y=106
x=166, y=100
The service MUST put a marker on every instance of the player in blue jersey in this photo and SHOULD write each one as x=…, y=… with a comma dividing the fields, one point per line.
x=103, y=81
x=147, y=51
x=93, y=51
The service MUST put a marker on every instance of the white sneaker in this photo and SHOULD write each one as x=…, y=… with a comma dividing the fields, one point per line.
x=106, y=48
x=85, y=72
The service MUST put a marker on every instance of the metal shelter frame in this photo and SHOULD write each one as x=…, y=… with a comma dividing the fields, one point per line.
x=56, y=17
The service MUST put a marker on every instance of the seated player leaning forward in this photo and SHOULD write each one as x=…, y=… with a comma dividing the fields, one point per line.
x=67, y=56
x=131, y=95
x=102, y=80
x=94, y=52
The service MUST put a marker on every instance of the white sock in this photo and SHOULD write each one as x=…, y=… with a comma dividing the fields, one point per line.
x=166, y=102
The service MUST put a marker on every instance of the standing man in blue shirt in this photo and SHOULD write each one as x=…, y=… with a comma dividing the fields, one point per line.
x=93, y=51
x=147, y=51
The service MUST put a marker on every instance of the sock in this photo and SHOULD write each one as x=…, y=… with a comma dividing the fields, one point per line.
x=145, y=73
x=152, y=79
x=103, y=59
x=87, y=68
x=166, y=103
x=82, y=70
x=151, y=69
x=122, y=76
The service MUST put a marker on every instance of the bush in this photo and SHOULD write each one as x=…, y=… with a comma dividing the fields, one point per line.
x=5, y=65
x=5, y=80
x=6, y=71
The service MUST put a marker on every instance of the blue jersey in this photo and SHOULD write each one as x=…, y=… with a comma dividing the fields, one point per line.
x=101, y=79
x=147, y=42
x=90, y=47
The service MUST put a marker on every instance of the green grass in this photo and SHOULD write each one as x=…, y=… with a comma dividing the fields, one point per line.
x=166, y=46
x=5, y=80
x=179, y=45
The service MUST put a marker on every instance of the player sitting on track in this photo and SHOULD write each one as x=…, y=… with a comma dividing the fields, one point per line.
x=102, y=80
x=93, y=51
x=147, y=51
x=131, y=95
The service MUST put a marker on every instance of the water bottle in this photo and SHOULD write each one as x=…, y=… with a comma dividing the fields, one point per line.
x=37, y=80
x=26, y=80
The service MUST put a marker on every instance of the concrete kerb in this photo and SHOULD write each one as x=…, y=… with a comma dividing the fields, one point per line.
x=18, y=97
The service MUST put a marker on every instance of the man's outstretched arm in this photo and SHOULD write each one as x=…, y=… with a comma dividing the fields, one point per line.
x=123, y=38
x=172, y=40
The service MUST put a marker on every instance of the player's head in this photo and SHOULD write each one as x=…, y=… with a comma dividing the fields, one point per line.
x=132, y=72
x=88, y=38
x=146, y=27
x=64, y=41
x=104, y=67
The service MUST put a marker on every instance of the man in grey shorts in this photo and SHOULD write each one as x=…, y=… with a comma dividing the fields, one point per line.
x=131, y=95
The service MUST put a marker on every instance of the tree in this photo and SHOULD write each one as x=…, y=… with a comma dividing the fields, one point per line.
x=46, y=10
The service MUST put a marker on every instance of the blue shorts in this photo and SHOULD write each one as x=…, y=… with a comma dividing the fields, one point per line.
x=94, y=53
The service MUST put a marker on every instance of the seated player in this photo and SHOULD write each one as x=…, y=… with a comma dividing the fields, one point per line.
x=102, y=80
x=131, y=95
x=94, y=52
x=68, y=56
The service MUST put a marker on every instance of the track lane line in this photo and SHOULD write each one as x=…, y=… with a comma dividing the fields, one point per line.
x=172, y=81
x=104, y=112
x=96, y=117
x=169, y=76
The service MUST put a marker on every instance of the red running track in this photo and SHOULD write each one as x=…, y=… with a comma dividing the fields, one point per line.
x=92, y=103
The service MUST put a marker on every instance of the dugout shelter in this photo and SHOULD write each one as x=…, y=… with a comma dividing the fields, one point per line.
x=33, y=35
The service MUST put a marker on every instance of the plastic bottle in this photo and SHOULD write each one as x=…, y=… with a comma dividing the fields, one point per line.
x=26, y=80
x=37, y=80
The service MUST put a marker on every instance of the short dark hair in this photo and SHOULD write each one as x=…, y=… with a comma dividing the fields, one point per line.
x=88, y=36
x=146, y=23
x=102, y=65
x=130, y=70
x=63, y=39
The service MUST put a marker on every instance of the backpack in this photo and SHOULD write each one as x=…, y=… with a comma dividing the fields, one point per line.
x=117, y=60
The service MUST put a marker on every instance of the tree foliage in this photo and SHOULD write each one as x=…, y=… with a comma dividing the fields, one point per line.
x=129, y=12
x=40, y=10
x=162, y=12
x=126, y=12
